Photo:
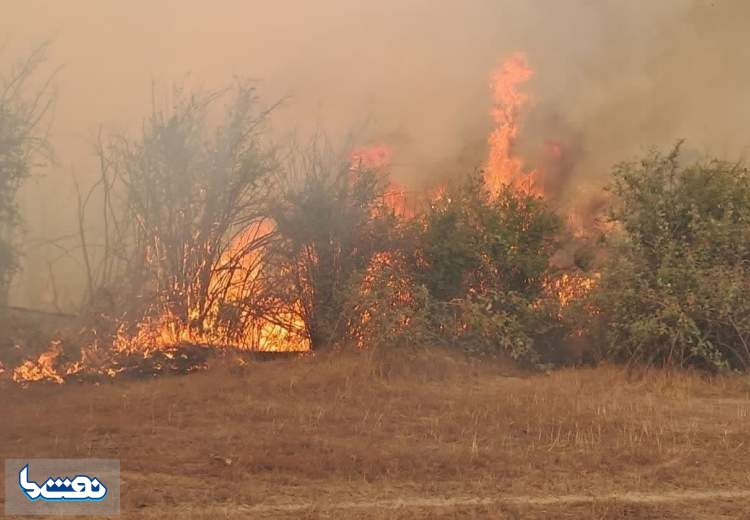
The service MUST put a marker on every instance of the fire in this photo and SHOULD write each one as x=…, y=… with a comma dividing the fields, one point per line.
x=228, y=316
x=43, y=368
x=503, y=167
x=506, y=168
x=379, y=157
x=571, y=286
x=399, y=200
x=373, y=157
x=227, y=322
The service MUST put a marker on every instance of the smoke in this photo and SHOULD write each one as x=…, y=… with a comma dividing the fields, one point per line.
x=611, y=78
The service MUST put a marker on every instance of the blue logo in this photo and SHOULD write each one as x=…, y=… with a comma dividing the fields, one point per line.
x=74, y=490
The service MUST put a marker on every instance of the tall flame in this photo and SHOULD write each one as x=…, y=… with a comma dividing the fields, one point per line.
x=503, y=167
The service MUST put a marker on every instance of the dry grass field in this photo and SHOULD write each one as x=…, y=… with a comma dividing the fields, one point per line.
x=431, y=436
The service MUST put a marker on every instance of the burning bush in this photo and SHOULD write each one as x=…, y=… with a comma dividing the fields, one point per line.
x=186, y=226
x=676, y=290
x=470, y=242
x=484, y=260
x=331, y=220
x=469, y=273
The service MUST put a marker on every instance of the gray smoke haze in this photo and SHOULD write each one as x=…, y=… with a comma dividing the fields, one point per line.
x=611, y=78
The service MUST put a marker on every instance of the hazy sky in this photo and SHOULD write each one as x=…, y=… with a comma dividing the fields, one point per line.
x=613, y=76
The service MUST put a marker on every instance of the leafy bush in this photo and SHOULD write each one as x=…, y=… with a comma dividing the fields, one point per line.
x=480, y=326
x=676, y=288
x=385, y=308
x=477, y=266
x=390, y=310
x=471, y=243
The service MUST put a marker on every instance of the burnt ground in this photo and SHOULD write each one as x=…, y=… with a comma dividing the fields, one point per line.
x=422, y=436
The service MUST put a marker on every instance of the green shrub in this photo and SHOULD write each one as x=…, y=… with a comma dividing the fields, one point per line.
x=675, y=290
x=469, y=242
x=478, y=264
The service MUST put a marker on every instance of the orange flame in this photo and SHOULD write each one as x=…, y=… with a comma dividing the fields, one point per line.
x=399, y=201
x=43, y=368
x=233, y=280
x=379, y=157
x=373, y=157
x=503, y=167
x=571, y=286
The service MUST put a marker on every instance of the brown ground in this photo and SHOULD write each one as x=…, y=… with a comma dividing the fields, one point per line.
x=354, y=437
